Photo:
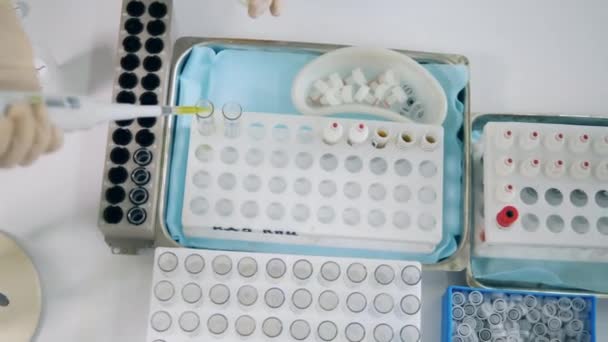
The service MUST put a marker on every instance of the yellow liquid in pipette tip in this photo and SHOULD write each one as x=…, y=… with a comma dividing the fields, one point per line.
x=191, y=110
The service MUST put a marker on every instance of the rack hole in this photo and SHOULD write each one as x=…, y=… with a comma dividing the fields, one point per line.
x=427, y=169
x=227, y=181
x=256, y=131
x=201, y=179
x=279, y=159
x=326, y=214
x=601, y=198
x=275, y=211
x=602, y=225
x=427, y=195
x=304, y=135
x=229, y=155
x=377, y=191
x=353, y=164
x=401, y=220
x=427, y=222
x=401, y=193
x=580, y=224
x=300, y=212
x=199, y=206
x=252, y=183
x=378, y=165
x=254, y=157
x=224, y=207
x=528, y=195
x=280, y=133
x=578, y=198
x=554, y=197
x=304, y=160
x=277, y=185
x=555, y=223
x=302, y=186
x=403, y=167
x=352, y=190
x=329, y=162
x=530, y=222
x=204, y=153
x=376, y=218
x=351, y=216
x=250, y=209
x=327, y=188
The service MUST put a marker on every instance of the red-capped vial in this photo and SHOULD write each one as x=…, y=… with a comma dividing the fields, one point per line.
x=505, y=192
x=530, y=140
x=505, y=166
x=333, y=132
x=580, y=169
x=555, y=168
x=580, y=143
x=555, y=141
x=505, y=138
x=530, y=167
x=357, y=134
x=601, y=145
x=507, y=216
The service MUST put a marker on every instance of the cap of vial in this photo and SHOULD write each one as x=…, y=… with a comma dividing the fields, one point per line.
x=411, y=275
x=383, y=303
x=458, y=298
x=276, y=268
x=529, y=140
x=194, y=264
x=580, y=143
x=299, y=329
x=410, y=305
x=272, y=327
x=580, y=169
x=332, y=133
x=328, y=300
x=505, y=193
x=167, y=261
x=274, y=297
x=219, y=294
x=327, y=331
x=555, y=168
x=192, y=293
x=530, y=167
x=160, y=321
x=244, y=325
x=356, y=302
x=409, y=333
x=601, y=171
x=383, y=333
x=555, y=141
x=505, y=138
x=355, y=332
x=247, y=267
x=601, y=145
x=217, y=324
x=301, y=298
x=222, y=264
x=189, y=321
x=358, y=133
x=384, y=274
x=302, y=269
x=247, y=295
x=356, y=272
x=330, y=271
x=505, y=166
x=164, y=290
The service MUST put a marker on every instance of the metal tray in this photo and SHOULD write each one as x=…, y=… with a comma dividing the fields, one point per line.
x=181, y=50
x=477, y=122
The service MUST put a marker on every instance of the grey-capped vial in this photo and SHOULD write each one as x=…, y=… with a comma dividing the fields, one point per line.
x=354, y=332
x=471, y=321
x=574, y=327
x=514, y=314
x=274, y=297
x=565, y=316
x=330, y=271
x=219, y=294
x=222, y=264
x=194, y=264
x=530, y=301
x=167, y=261
x=191, y=293
x=384, y=274
x=302, y=269
x=164, y=290
x=247, y=295
x=495, y=319
x=356, y=302
x=299, y=329
x=465, y=330
x=356, y=272
x=189, y=321
x=383, y=333
x=272, y=327
x=411, y=275
x=301, y=298
x=160, y=321
x=564, y=303
x=409, y=333
x=244, y=325
x=327, y=331
x=328, y=300
x=217, y=324
x=383, y=303
x=247, y=267
x=276, y=268
x=410, y=305
x=554, y=324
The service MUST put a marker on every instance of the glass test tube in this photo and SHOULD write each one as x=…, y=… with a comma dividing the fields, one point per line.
x=232, y=113
x=204, y=120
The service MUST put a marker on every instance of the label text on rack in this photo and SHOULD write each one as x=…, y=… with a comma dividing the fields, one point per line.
x=264, y=231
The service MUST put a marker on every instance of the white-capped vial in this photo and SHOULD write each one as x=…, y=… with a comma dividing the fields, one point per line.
x=409, y=333
x=167, y=261
x=469, y=309
x=539, y=329
x=205, y=120
x=244, y=325
x=328, y=300
x=232, y=113
x=384, y=303
x=574, y=327
x=580, y=169
x=272, y=327
x=189, y=321
x=410, y=305
x=219, y=294
x=554, y=142
x=475, y=298
x=530, y=167
x=485, y=335
x=564, y=303
x=555, y=168
x=274, y=297
x=191, y=293
x=565, y=316
x=554, y=324
x=217, y=324
x=301, y=298
x=505, y=166
x=484, y=310
x=381, y=137
x=335, y=81
x=579, y=304
x=299, y=329
x=504, y=138
x=406, y=139
x=383, y=333
x=533, y=316
x=430, y=141
x=332, y=133
x=549, y=309
x=411, y=275
x=499, y=305
x=276, y=268
x=194, y=264
x=601, y=171
x=221, y=264
x=247, y=295
x=164, y=290
x=495, y=319
x=384, y=274
x=505, y=193
x=529, y=140
x=362, y=93
x=160, y=321
x=347, y=94
x=579, y=143
x=247, y=267
x=458, y=298
x=458, y=313
x=330, y=271
x=327, y=331
x=356, y=272
x=530, y=301
x=354, y=332
x=356, y=302
x=357, y=134
x=514, y=314
x=600, y=146
x=465, y=330
x=302, y=269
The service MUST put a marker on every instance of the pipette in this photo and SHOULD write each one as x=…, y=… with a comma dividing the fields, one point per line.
x=71, y=113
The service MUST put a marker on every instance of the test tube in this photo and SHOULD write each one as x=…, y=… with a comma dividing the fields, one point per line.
x=580, y=143
x=580, y=169
x=530, y=167
x=555, y=168
x=505, y=192
x=204, y=120
x=504, y=138
x=357, y=134
x=232, y=113
x=601, y=171
x=530, y=140
x=505, y=166
x=554, y=142
x=380, y=137
x=332, y=133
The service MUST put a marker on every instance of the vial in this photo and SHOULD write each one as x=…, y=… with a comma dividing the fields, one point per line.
x=580, y=143
x=357, y=134
x=555, y=168
x=601, y=171
x=205, y=120
x=429, y=141
x=580, y=169
x=380, y=137
x=554, y=142
x=406, y=139
x=530, y=167
x=505, y=166
x=505, y=138
x=601, y=145
x=332, y=133
x=505, y=192
x=530, y=140
x=232, y=113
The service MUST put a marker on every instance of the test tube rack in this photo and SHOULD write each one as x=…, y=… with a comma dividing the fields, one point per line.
x=545, y=192
x=132, y=162
x=286, y=179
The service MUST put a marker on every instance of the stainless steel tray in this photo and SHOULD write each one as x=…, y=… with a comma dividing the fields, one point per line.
x=477, y=122
x=183, y=46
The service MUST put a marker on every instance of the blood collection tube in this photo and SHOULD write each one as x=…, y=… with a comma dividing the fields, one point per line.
x=380, y=137
x=601, y=171
x=505, y=166
x=580, y=169
x=507, y=216
x=505, y=138
x=406, y=139
x=530, y=140
x=505, y=192
x=204, y=120
x=601, y=145
x=357, y=134
x=332, y=133
x=555, y=168
x=555, y=142
x=530, y=167
x=232, y=113
x=580, y=143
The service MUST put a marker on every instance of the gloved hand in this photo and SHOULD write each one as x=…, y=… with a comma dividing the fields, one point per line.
x=25, y=131
x=258, y=7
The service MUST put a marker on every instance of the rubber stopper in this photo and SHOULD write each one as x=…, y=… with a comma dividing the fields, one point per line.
x=507, y=216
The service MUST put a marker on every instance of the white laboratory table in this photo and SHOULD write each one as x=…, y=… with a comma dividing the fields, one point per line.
x=525, y=57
